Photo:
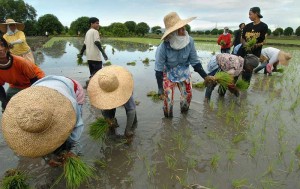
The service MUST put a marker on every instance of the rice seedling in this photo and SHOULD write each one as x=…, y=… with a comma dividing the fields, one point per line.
x=239, y=183
x=154, y=95
x=214, y=162
x=76, y=172
x=98, y=129
x=224, y=79
x=222, y=43
x=239, y=137
x=242, y=85
x=182, y=181
x=250, y=44
x=180, y=142
x=280, y=70
x=131, y=63
x=199, y=85
x=269, y=183
x=14, y=179
x=192, y=163
x=101, y=163
x=297, y=150
x=108, y=63
x=151, y=170
x=171, y=161
x=270, y=170
x=231, y=155
x=146, y=61
x=291, y=166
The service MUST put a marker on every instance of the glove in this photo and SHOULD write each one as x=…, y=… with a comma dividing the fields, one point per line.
x=105, y=57
x=159, y=79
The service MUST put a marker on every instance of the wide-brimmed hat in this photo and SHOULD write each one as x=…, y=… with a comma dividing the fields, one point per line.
x=251, y=60
x=110, y=87
x=284, y=58
x=257, y=11
x=173, y=22
x=37, y=121
x=3, y=26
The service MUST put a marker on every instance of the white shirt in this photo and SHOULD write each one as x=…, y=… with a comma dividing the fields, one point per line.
x=92, y=51
x=271, y=53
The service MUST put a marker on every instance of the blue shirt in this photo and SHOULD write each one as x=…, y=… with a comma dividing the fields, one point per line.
x=174, y=61
x=66, y=87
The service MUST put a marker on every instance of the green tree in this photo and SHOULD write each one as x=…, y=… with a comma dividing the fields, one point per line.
x=214, y=31
x=50, y=23
x=156, y=29
x=269, y=32
x=131, y=25
x=288, y=31
x=81, y=24
x=119, y=29
x=188, y=28
x=297, y=32
x=220, y=31
x=142, y=28
x=31, y=28
x=207, y=32
x=17, y=10
x=278, y=32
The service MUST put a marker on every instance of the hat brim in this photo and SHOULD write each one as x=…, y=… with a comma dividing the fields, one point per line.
x=108, y=100
x=3, y=26
x=177, y=26
x=284, y=58
x=19, y=108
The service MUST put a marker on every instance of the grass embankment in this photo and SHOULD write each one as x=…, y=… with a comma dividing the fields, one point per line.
x=152, y=41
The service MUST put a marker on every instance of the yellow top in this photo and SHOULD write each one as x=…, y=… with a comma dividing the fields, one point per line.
x=18, y=49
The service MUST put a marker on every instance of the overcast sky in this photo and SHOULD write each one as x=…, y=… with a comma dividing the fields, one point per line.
x=209, y=13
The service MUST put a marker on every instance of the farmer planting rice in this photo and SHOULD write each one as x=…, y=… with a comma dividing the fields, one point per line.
x=172, y=60
x=224, y=41
x=112, y=87
x=44, y=117
x=270, y=58
x=233, y=65
x=18, y=72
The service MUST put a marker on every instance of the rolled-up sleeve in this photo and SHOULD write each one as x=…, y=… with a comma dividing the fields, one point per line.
x=160, y=57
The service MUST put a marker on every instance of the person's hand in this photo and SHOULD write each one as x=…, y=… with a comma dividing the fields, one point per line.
x=209, y=80
x=79, y=55
x=10, y=46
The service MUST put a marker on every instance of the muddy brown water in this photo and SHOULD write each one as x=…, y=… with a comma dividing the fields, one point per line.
x=244, y=143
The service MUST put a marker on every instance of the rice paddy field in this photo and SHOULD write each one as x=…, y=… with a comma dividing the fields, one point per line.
x=247, y=142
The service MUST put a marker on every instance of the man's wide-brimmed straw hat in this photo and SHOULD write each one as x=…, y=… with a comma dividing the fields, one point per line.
x=110, y=87
x=173, y=22
x=284, y=57
x=37, y=121
x=3, y=26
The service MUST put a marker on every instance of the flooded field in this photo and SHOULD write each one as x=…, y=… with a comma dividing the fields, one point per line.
x=251, y=142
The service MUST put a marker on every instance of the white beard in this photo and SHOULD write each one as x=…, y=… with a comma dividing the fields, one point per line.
x=179, y=42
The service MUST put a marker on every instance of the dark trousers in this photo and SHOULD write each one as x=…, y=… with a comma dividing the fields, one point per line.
x=94, y=66
x=227, y=50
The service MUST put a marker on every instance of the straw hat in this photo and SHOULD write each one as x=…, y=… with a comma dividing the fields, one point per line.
x=110, y=87
x=37, y=120
x=173, y=22
x=284, y=57
x=3, y=26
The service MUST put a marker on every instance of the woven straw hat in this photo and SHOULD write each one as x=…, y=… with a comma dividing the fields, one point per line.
x=173, y=22
x=37, y=120
x=3, y=26
x=110, y=87
x=284, y=58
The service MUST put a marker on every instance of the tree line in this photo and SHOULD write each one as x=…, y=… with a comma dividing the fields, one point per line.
x=26, y=14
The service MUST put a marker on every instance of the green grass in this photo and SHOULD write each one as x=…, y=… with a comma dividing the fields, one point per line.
x=150, y=41
x=51, y=42
x=14, y=179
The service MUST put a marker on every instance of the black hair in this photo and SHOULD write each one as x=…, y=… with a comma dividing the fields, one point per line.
x=241, y=24
x=2, y=40
x=93, y=20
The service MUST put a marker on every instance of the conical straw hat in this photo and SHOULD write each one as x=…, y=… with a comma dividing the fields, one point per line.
x=110, y=87
x=173, y=22
x=3, y=26
x=284, y=58
x=37, y=120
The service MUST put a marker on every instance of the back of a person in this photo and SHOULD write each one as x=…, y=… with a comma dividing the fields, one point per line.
x=92, y=52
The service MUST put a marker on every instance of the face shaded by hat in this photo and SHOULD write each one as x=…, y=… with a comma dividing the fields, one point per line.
x=110, y=87
x=3, y=26
x=37, y=120
x=173, y=23
x=256, y=10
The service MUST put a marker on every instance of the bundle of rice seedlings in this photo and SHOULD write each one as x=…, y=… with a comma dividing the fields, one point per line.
x=199, y=85
x=280, y=70
x=131, y=63
x=108, y=63
x=222, y=43
x=15, y=179
x=154, y=95
x=98, y=129
x=76, y=172
x=250, y=44
x=224, y=79
x=242, y=85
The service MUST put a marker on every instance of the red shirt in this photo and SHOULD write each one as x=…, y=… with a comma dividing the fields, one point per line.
x=226, y=39
x=20, y=73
